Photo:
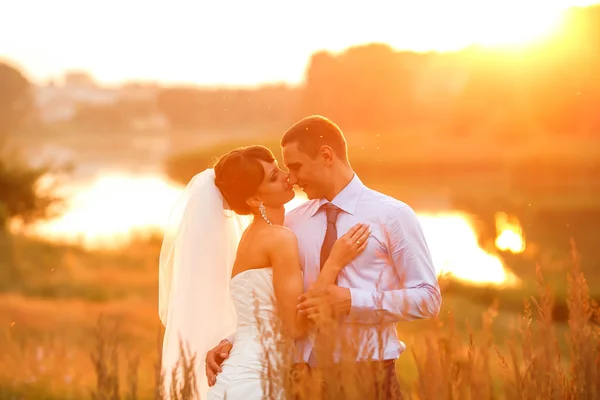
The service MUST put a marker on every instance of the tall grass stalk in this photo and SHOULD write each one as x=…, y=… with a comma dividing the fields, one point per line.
x=529, y=364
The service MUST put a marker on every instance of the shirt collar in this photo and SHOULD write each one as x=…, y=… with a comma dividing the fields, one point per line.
x=346, y=200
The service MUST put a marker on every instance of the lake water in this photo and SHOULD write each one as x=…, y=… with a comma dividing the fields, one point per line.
x=109, y=209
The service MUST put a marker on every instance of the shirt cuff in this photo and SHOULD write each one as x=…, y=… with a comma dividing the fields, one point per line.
x=361, y=301
x=230, y=338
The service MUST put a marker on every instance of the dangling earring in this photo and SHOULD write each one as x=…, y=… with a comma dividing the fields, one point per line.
x=263, y=213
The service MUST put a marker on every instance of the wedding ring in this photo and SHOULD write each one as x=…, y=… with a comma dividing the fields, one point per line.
x=358, y=242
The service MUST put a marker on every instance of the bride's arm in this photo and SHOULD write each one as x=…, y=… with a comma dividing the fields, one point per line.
x=287, y=280
x=328, y=274
x=344, y=250
x=288, y=283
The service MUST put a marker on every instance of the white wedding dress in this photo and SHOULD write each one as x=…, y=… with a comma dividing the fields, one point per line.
x=244, y=374
x=200, y=303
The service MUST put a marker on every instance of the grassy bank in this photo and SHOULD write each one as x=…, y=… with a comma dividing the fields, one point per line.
x=52, y=340
x=49, y=316
x=557, y=175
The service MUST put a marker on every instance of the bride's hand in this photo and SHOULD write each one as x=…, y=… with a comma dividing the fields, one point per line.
x=349, y=246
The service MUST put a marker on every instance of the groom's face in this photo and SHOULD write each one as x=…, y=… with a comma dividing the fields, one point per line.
x=306, y=172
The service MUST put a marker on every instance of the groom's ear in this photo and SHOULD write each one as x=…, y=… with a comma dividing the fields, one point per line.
x=326, y=154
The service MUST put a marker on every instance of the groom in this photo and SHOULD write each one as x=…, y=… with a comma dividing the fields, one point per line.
x=393, y=280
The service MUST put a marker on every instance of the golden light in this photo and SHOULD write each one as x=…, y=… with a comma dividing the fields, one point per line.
x=112, y=208
x=454, y=246
x=509, y=234
x=406, y=25
x=515, y=23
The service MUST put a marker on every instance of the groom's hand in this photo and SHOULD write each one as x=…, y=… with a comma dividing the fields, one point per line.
x=214, y=359
x=332, y=299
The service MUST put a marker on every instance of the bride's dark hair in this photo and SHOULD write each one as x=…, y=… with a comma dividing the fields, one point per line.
x=239, y=173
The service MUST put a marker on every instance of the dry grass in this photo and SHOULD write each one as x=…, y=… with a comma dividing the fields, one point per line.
x=74, y=348
x=529, y=365
x=48, y=320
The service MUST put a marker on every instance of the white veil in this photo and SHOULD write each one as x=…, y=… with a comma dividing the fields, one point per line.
x=196, y=259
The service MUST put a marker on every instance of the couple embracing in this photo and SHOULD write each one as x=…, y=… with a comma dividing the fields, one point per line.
x=273, y=301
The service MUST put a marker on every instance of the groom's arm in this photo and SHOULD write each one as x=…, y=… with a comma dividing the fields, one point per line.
x=215, y=357
x=230, y=338
x=420, y=296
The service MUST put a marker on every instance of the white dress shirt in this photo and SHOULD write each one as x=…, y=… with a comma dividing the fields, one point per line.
x=392, y=280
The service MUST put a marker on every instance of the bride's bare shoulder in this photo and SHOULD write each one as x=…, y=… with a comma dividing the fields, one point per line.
x=281, y=236
x=282, y=246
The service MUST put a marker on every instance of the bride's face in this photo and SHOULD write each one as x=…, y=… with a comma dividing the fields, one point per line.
x=275, y=189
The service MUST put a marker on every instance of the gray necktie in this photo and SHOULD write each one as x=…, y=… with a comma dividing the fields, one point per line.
x=331, y=233
x=330, y=238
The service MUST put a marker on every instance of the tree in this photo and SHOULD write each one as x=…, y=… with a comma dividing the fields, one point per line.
x=364, y=88
x=26, y=193
x=16, y=100
x=19, y=183
x=22, y=195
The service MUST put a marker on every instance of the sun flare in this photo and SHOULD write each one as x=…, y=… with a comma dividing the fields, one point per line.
x=509, y=234
x=462, y=23
x=514, y=23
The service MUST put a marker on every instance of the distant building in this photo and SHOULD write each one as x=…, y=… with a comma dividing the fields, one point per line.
x=57, y=101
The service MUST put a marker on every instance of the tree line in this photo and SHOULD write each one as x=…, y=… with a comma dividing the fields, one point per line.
x=551, y=87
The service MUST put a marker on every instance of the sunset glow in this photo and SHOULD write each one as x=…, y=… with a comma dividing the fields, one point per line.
x=510, y=234
x=107, y=211
x=248, y=43
x=112, y=208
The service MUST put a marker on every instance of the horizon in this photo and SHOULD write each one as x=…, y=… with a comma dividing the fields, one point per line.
x=258, y=57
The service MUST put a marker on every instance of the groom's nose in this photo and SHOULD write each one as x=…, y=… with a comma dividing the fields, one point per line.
x=292, y=178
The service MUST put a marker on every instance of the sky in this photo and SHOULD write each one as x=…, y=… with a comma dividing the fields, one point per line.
x=247, y=42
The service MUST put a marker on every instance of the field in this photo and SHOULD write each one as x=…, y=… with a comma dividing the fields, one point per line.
x=476, y=133
x=50, y=330
x=62, y=304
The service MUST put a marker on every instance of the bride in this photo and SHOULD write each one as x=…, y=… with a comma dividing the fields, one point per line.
x=225, y=257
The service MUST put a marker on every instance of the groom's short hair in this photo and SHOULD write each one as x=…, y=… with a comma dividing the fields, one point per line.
x=311, y=133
